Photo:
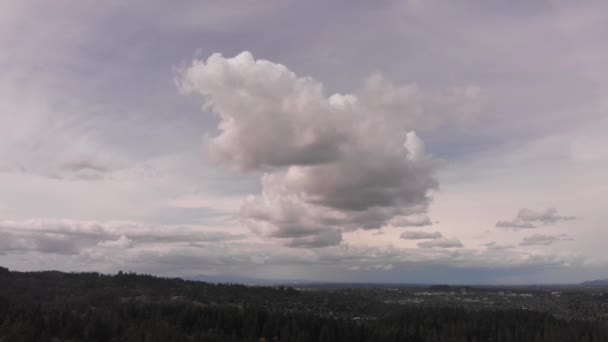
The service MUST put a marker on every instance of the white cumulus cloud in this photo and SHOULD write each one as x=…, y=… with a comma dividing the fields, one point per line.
x=330, y=163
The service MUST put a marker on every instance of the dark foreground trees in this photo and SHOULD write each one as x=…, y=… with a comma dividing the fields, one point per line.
x=53, y=306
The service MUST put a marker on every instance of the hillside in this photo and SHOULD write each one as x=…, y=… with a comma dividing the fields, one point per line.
x=44, y=306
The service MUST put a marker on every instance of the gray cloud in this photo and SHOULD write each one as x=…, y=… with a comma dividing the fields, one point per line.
x=539, y=240
x=219, y=236
x=9, y=167
x=411, y=221
x=493, y=245
x=380, y=267
x=83, y=164
x=543, y=240
x=268, y=260
x=527, y=218
x=81, y=169
x=325, y=238
x=43, y=242
x=545, y=215
x=515, y=224
x=121, y=242
x=417, y=235
x=329, y=164
x=70, y=236
x=441, y=243
x=335, y=262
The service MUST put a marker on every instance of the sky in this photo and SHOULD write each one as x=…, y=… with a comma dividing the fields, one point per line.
x=342, y=141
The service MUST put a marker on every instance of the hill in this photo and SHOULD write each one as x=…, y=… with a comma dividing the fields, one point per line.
x=55, y=306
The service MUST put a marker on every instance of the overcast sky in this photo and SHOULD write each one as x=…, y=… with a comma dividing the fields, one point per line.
x=376, y=141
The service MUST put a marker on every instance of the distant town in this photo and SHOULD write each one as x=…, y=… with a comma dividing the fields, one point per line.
x=580, y=302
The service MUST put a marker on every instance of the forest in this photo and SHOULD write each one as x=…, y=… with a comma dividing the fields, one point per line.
x=56, y=306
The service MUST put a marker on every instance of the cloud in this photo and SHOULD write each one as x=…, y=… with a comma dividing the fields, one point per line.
x=33, y=242
x=526, y=218
x=417, y=235
x=411, y=221
x=69, y=236
x=339, y=162
x=121, y=242
x=543, y=240
x=323, y=239
x=219, y=236
x=495, y=246
x=378, y=267
x=516, y=224
x=265, y=259
x=80, y=169
x=11, y=167
x=545, y=215
x=441, y=243
x=270, y=117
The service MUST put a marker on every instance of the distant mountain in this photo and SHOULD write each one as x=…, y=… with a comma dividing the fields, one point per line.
x=228, y=279
x=224, y=279
x=595, y=283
